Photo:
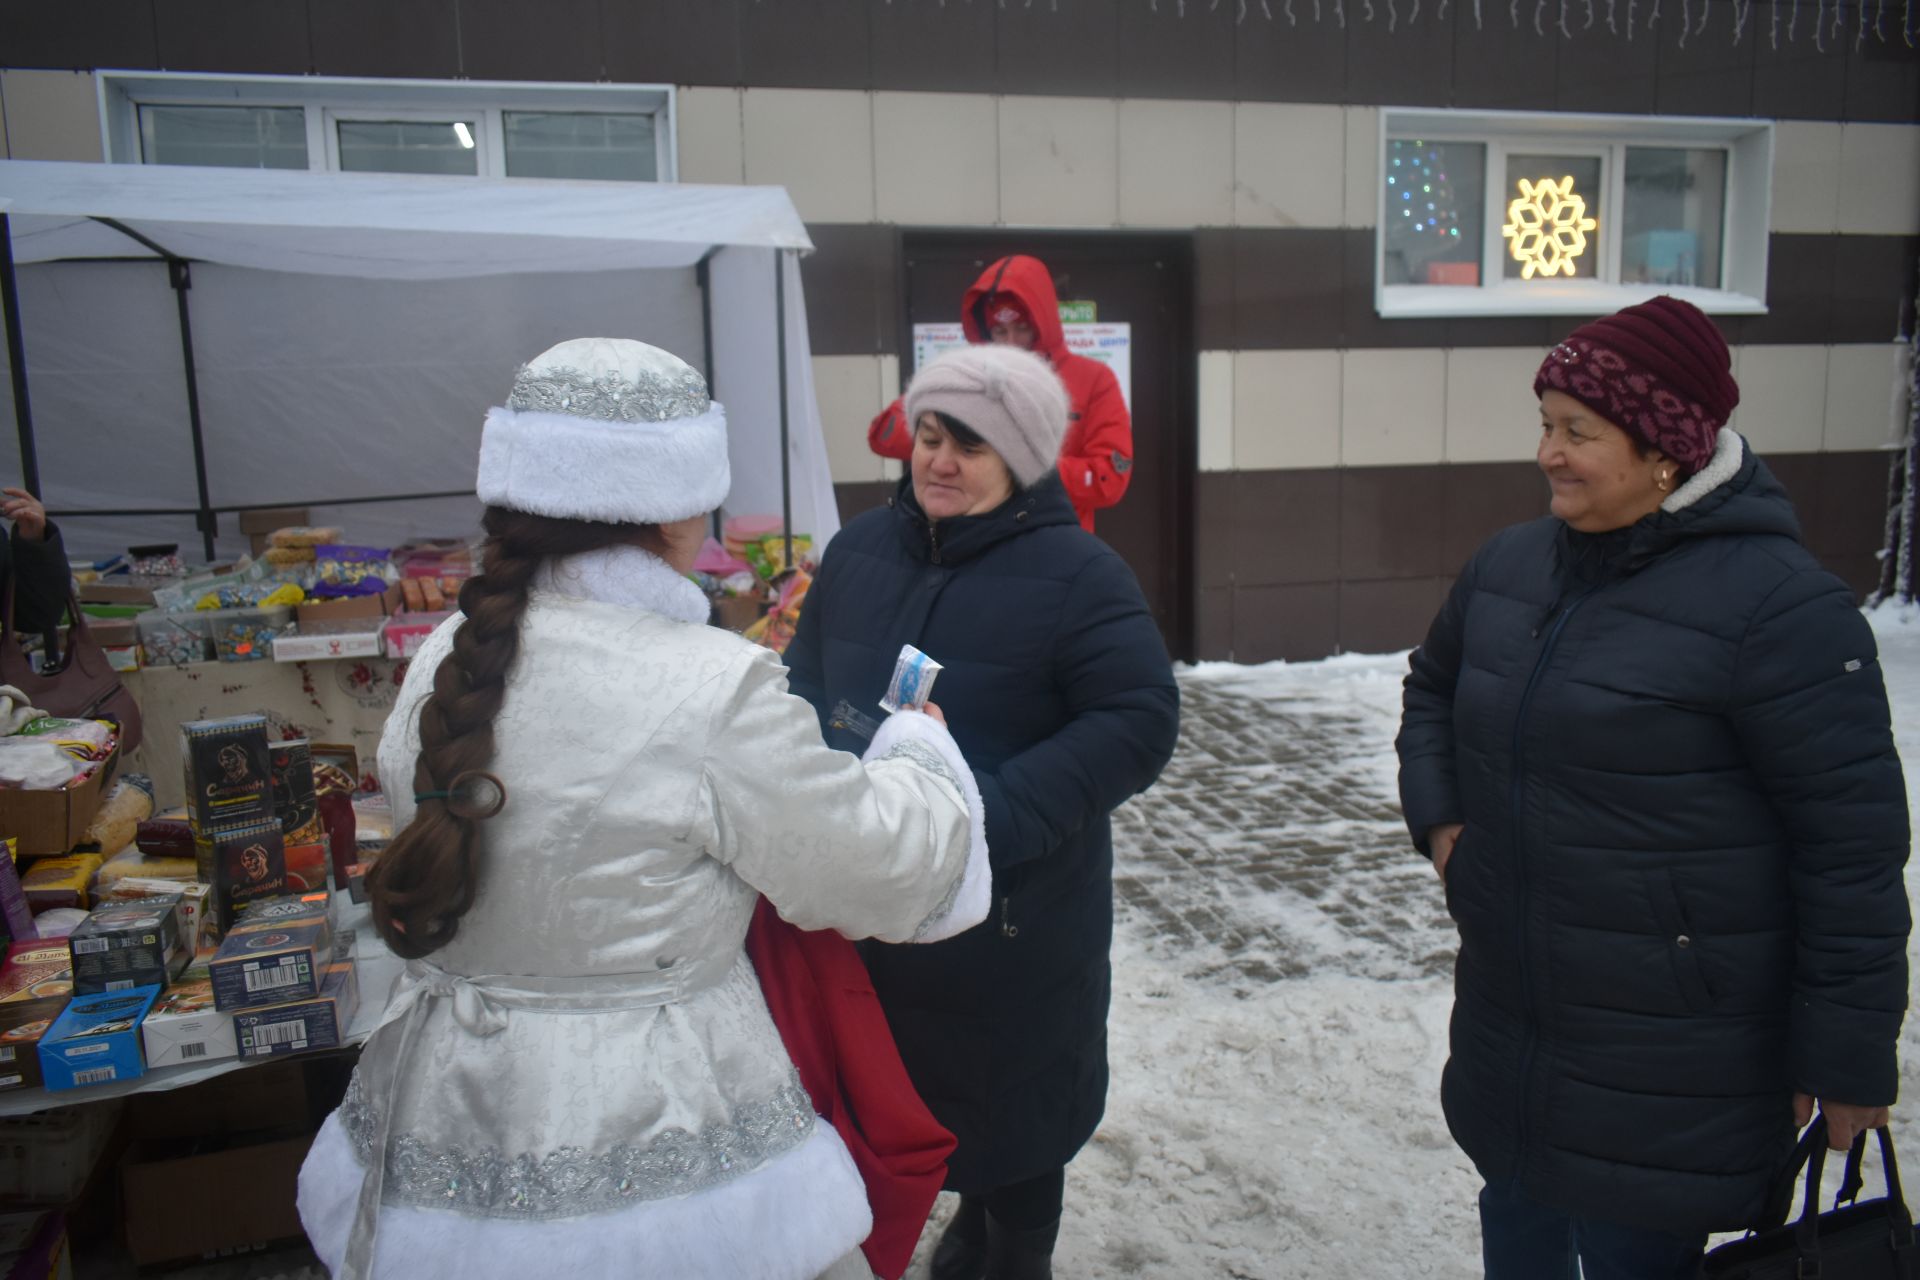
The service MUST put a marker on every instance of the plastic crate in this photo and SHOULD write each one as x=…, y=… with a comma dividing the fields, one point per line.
x=47, y=1158
x=173, y=639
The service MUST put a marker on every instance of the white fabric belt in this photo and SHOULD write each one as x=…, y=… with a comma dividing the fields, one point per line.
x=480, y=1007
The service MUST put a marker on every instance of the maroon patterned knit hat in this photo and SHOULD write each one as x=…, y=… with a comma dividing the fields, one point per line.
x=1659, y=371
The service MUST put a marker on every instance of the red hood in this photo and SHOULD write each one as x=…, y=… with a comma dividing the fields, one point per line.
x=1026, y=279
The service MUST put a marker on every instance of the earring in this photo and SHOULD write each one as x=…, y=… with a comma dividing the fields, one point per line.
x=1665, y=481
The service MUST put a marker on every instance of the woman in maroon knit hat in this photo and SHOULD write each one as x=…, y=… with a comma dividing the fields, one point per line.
x=1646, y=745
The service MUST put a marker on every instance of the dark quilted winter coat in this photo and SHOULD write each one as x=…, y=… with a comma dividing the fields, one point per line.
x=1058, y=689
x=1679, y=890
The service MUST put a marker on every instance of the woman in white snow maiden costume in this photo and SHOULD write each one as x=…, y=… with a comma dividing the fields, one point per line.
x=577, y=1074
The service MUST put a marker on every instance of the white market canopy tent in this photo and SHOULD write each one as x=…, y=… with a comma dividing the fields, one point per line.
x=190, y=342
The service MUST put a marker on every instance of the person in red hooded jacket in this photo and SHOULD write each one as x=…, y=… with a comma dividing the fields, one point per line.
x=1013, y=302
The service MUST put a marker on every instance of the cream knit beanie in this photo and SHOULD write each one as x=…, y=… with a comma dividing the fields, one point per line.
x=1011, y=398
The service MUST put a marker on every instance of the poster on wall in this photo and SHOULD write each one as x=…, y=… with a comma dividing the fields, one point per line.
x=1110, y=344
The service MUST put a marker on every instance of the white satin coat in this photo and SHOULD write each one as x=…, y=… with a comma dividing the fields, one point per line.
x=586, y=1080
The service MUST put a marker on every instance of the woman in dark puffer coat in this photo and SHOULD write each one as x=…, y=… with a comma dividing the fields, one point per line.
x=1647, y=746
x=1058, y=689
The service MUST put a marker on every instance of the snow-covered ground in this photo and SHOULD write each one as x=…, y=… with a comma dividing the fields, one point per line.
x=1276, y=1060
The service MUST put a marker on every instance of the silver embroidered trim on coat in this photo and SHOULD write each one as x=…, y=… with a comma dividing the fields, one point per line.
x=936, y=764
x=569, y=1181
x=927, y=758
x=649, y=397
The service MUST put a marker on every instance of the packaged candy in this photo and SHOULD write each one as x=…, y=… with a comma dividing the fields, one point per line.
x=912, y=684
x=22, y=1024
x=308, y=536
x=173, y=639
x=36, y=971
x=194, y=913
x=164, y=837
x=278, y=951
x=320, y=1021
x=247, y=634
x=185, y=1027
x=342, y=571
x=14, y=911
x=295, y=801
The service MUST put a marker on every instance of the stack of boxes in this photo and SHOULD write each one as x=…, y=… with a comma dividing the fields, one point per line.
x=244, y=963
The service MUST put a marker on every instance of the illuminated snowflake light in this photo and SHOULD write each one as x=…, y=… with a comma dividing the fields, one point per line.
x=1547, y=227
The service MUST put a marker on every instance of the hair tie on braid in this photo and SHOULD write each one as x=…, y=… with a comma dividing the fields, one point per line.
x=474, y=795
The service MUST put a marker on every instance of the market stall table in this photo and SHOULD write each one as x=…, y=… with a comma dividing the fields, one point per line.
x=378, y=969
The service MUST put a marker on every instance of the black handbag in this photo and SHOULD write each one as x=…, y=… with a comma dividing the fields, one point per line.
x=1866, y=1240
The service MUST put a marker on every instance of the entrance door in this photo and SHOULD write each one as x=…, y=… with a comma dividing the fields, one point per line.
x=1141, y=281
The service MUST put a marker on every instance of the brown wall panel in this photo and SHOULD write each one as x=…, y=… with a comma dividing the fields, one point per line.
x=1795, y=81
x=672, y=41
x=857, y=499
x=1384, y=617
x=1883, y=78
x=1282, y=62
x=1214, y=548
x=1867, y=307
x=1163, y=51
x=1407, y=64
x=78, y=34
x=1712, y=74
x=807, y=44
x=1606, y=71
x=1498, y=66
x=933, y=48
x=1282, y=526
x=411, y=38
x=1480, y=499
x=1799, y=291
x=1387, y=52
x=851, y=282
x=1059, y=49
x=498, y=42
x=1294, y=623
x=1391, y=519
x=258, y=37
x=1213, y=625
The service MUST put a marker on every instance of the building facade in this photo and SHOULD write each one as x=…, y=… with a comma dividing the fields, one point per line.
x=1332, y=405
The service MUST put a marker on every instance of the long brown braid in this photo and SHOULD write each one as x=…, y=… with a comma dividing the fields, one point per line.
x=426, y=879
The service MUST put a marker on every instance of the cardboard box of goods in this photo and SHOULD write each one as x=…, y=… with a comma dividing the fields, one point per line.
x=23, y=1023
x=36, y=970
x=228, y=778
x=55, y=821
x=184, y=1026
x=244, y=864
x=268, y=1100
x=182, y=1201
x=296, y=802
x=322, y=641
x=126, y=945
x=370, y=609
x=115, y=591
x=317, y=1023
x=96, y=1040
x=259, y=525
x=196, y=924
x=278, y=951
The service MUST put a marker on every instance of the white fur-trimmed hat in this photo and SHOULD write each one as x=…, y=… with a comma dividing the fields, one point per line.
x=606, y=429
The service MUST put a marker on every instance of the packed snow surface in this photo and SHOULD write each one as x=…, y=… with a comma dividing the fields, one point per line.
x=1281, y=993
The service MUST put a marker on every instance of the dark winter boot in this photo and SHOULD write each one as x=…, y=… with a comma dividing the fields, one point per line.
x=962, y=1251
x=1020, y=1253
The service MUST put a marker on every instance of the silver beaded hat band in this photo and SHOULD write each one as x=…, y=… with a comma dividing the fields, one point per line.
x=606, y=429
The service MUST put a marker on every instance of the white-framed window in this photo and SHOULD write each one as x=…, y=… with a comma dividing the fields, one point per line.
x=1486, y=213
x=472, y=127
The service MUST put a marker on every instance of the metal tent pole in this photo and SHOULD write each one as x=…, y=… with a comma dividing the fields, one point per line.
x=780, y=343
x=17, y=361
x=703, y=275
x=180, y=277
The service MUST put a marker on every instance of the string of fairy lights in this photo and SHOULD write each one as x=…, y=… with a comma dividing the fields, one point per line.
x=1827, y=23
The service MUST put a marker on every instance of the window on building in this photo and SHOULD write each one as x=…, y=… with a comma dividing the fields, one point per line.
x=621, y=133
x=232, y=137
x=1498, y=214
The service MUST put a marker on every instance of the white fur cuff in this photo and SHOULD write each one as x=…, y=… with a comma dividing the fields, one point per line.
x=554, y=464
x=909, y=733
x=1729, y=451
